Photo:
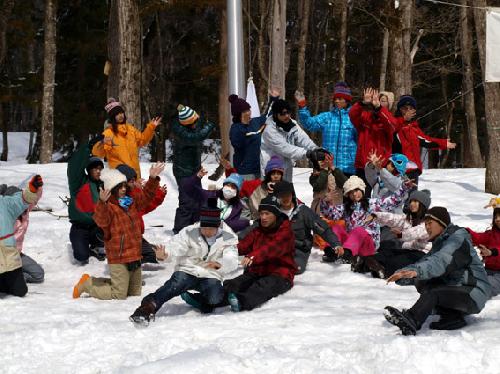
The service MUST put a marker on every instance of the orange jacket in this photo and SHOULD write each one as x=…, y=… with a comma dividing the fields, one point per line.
x=124, y=148
x=122, y=228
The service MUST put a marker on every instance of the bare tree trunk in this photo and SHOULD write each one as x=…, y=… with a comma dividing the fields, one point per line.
x=343, y=39
x=492, y=109
x=278, y=38
x=472, y=153
x=49, y=71
x=223, y=87
x=304, y=33
x=383, y=59
x=130, y=59
x=113, y=86
x=160, y=138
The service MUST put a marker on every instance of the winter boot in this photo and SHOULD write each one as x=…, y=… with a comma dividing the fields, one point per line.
x=144, y=313
x=450, y=320
x=196, y=301
x=346, y=258
x=357, y=264
x=375, y=267
x=81, y=286
x=401, y=319
x=233, y=301
x=329, y=255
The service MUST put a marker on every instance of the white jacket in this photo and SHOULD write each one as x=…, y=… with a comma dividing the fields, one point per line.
x=290, y=146
x=413, y=237
x=191, y=251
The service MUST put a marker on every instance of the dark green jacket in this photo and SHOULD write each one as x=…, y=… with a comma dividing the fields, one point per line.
x=188, y=146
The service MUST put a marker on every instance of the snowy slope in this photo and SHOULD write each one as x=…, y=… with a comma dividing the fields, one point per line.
x=331, y=321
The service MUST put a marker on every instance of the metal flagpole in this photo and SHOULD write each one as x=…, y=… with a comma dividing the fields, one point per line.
x=235, y=50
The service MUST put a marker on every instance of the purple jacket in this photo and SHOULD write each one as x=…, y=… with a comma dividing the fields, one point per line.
x=236, y=219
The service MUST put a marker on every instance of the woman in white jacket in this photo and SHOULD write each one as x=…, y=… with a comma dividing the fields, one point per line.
x=205, y=253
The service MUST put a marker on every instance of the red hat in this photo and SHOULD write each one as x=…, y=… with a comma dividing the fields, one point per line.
x=342, y=90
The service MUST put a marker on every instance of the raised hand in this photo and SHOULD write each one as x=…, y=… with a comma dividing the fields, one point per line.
x=160, y=253
x=367, y=95
x=156, y=121
x=376, y=98
x=201, y=173
x=104, y=195
x=450, y=145
x=274, y=92
x=300, y=98
x=156, y=169
x=35, y=183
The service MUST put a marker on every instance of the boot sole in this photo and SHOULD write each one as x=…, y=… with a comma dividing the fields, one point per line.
x=139, y=321
x=395, y=318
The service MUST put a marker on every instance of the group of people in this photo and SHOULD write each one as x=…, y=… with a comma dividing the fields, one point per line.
x=367, y=211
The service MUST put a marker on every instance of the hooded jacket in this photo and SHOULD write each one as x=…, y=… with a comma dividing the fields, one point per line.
x=490, y=239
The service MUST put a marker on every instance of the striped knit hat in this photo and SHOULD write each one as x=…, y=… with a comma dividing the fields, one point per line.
x=342, y=90
x=210, y=214
x=439, y=214
x=187, y=116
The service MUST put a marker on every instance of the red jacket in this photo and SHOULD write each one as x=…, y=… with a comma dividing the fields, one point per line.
x=248, y=186
x=155, y=203
x=491, y=240
x=273, y=251
x=411, y=137
x=374, y=134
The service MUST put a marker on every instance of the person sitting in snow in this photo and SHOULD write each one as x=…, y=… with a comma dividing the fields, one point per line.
x=451, y=279
x=135, y=186
x=205, y=252
x=489, y=245
x=118, y=215
x=385, y=180
x=12, y=280
x=304, y=223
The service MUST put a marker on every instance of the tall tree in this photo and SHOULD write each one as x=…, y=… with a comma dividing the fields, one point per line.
x=113, y=63
x=304, y=10
x=49, y=71
x=278, y=38
x=343, y=39
x=491, y=107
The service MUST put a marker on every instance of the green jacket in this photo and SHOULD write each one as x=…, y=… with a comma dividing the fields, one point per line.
x=188, y=146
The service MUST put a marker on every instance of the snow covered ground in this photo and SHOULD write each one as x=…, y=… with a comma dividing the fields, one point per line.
x=331, y=321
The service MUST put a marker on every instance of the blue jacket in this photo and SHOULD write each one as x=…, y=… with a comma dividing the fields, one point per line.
x=454, y=261
x=245, y=140
x=339, y=135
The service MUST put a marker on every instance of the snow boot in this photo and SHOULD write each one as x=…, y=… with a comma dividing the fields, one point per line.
x=197, y=301
x=450, y=320
x=233, y=301
x=80, y=287
x=346, y=258
x=375, y=267
x=358, y=264
x=145, y=313
x=401, y=319
x=329, y=255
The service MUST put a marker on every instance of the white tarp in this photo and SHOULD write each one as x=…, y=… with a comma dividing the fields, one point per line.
x=252, y=99
x=492, y=45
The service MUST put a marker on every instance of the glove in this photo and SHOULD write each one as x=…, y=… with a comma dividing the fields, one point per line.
x=35, y=183
x=300, y=99
x=95, y=140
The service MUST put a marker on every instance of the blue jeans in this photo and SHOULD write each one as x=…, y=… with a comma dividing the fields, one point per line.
x=210, y=289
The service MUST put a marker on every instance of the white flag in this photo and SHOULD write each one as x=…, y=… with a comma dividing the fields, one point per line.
x=252, y=99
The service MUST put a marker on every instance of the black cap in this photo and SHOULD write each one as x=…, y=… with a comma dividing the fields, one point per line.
x=283, y=187
x=270, y=204
x=439, y=214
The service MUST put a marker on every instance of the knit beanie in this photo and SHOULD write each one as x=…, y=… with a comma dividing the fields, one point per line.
x=187, y=116
x=113, y=107
x=92, y=163
x=275, y=163
x=342, y=90
x=112, y=178
x=210, y=214
x=390, y=97
x=399, y=161
x=423, y=197
x=406, y=100
x=126, y=170
x=270, y=204
x=235, y=179
x=238, y=105
x=354, y=183
x=439, y=214
x=283, y=187
x=280, y=105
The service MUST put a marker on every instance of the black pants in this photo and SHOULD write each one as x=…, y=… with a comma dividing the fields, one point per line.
x=254, y=290
x=301, y=259
x=13, y=283
x=368, y=189
x=393, y=259
x=432, y=295
x=83, y=237
x=148, y=253
x=188, y=211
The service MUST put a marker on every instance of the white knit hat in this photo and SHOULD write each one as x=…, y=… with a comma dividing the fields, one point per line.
x=354, y=183
x=112, y=178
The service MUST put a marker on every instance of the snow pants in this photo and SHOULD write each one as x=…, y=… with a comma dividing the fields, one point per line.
x=393, y=258
x=83, y=237
x=253, y=290
x=301, y=259
x=122, y=283
x=13, y=283
x=148, y=253
x=188, y=210
x=357, y=240
x=33, y=272
x=494, y=278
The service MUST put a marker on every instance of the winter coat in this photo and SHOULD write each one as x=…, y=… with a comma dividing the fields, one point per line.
x=491, y=240
x=192, y=252
x=245, y=140
x=358, y=216
x=384, y=183
x=413, y=237
x=327, y=184
x=83, y=191
x=187, y=146
x=239, y=217
x=374, y=135
x=339, y=135
x=290, y=146
x=454, y=261
x=155, y=203
x=410, y=137
x=272, y=250
x=125, y=146
x=254, y=201
x=22, y=222
x=122, y=228
x=11, y=207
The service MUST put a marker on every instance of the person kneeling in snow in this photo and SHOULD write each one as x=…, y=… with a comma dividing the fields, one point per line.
x=450, y=279
x=205, y=252
x=11, y=207
x=118, y=215
x=269, y=260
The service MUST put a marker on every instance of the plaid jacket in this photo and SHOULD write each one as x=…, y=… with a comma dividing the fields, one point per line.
x=122, y=229
x=339, y=135
x=273, y=251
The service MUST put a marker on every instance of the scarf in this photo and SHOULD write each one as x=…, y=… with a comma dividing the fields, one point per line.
x=125, y=202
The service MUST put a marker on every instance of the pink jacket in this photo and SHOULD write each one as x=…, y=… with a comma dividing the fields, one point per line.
x=21, y=225
x=413, y=237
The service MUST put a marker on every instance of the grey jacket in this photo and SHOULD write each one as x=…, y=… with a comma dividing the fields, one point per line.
x=384, y=184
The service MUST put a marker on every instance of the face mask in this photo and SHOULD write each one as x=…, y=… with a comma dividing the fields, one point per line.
x=228, y=192
x=125, y=202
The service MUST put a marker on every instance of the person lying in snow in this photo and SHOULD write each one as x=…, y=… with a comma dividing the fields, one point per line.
x=205, y=252
x=489, y=245
x=451, y=279
x=118, y=215
x=12, y=280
